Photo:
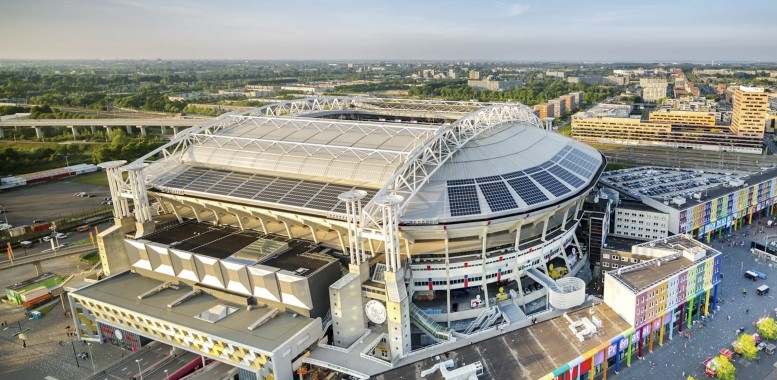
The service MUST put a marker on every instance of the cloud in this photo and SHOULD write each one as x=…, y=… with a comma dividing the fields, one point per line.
x=516, y=10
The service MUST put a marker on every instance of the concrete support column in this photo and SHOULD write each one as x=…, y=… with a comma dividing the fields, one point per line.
x=164, y=129
x=74, y=130
x=661, y=331
x=484, y=281
x=690, y=311
x=652, y=330
x=93, y=128
x=707, y=303
x=641, y=339
x=38, y=268
x=129, y=130
x=2, y=133
x=175, y=131
x=618, y=356
x=593, y=367
x=38, y=132
x=682, y=314
x=715, y=298
x=604, y=364
x=671, y=323
x=142, y=130
x=108, y=129
x=628, y=353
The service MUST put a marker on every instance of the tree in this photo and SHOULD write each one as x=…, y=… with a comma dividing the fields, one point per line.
x=747, y=346
x=767, y=328
x=725, y=369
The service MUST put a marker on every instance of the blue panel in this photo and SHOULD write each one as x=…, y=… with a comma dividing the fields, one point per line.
x=498, y=196
x=492, y=178
x=553, y=185
x=566, y=176
x=533, y=170
x=513, y=175
x=463, y=200
x=456, y=182
x=527, y=190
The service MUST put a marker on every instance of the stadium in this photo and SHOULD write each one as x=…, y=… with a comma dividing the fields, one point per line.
x=343, y=224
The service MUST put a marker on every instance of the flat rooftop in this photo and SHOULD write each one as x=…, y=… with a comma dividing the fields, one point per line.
x=248, y=247
x=123, y=290
x=662, y=183
x=605, y=110
x=528, y=353
x=643, y=275
x=724, y=188
x=620, y=243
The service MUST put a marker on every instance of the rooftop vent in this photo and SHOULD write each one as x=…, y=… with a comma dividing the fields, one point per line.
x=216, y=313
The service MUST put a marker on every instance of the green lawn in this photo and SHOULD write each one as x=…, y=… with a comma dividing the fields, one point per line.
x=99, y=179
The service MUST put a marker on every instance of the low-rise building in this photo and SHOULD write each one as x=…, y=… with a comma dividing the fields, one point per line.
x=683, y=117
x=636, y=220
x=495, y=85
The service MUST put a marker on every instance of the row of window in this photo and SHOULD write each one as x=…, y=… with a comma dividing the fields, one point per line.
x=621, y=258
x=461, y=280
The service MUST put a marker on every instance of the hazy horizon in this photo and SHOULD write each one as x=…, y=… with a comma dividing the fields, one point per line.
x=605, y=31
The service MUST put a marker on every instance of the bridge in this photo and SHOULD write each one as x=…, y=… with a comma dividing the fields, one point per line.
x=108, y=124
x=38, y=258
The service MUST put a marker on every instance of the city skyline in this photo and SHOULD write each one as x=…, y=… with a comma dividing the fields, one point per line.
x=604, y=31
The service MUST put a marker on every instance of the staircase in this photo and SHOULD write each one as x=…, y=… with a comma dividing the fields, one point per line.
x=437, y=331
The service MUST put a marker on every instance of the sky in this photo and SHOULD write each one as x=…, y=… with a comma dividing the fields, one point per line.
x=546, y=30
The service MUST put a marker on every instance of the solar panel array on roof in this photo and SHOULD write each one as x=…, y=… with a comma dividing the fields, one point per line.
x=498, y=196
x=552, y=184
x=566, y=171
x=580, y=163
x=286, y=191
x=527, y=190
x=463, y=200
x=566, y=176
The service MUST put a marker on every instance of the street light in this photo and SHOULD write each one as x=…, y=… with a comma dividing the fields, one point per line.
x=89, y=345
x=167, y=377
x=140, y=371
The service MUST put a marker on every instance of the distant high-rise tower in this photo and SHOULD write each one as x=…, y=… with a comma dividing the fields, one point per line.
x=474, y=75
x=749, y=118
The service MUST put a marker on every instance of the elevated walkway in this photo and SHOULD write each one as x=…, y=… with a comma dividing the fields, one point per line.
x=542, y=278
x=437, y=331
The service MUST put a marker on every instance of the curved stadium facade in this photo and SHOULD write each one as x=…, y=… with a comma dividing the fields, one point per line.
x=314, y=207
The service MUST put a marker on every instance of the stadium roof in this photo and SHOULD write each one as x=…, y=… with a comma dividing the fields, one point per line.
x=494, y=159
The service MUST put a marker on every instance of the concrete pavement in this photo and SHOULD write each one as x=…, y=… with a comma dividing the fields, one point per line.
x=682, y=356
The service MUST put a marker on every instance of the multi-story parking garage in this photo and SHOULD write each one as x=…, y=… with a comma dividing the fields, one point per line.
x=423, y=202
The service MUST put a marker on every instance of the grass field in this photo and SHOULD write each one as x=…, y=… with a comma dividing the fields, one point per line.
x=97, y=179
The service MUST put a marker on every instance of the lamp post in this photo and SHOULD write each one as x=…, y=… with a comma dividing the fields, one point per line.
x=167, y=377
x=89, y=345
x=140, y=371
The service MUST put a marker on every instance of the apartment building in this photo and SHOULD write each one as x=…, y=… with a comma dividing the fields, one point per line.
x=636, y=220
x=749, y=117
x=653, y=88
x=683, y=117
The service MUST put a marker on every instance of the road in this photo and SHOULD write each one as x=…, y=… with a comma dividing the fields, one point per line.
x=681, y=355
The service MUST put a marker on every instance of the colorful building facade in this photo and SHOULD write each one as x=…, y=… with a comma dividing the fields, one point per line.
x=727, y=209
x=688, y=291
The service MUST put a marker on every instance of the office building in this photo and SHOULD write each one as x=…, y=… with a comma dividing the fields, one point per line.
x=653, y=89
x=749, y=117
x=636, y=220
x=545, y=110
x=683, y=118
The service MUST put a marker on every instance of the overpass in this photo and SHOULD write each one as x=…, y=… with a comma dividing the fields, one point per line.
x=36, y=259
x=108, y=124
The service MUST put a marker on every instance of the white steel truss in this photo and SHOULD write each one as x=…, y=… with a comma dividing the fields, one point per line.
x=298, y=149
x=425, y=161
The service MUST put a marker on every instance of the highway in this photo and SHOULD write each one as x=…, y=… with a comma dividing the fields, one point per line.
x=157, y=122
x=43, y=256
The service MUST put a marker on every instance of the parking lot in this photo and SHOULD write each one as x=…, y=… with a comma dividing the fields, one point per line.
x=49, y=201
x=659, y=182
x=683, y=356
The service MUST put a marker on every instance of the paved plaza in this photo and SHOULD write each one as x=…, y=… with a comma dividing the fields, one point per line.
x=682, y=356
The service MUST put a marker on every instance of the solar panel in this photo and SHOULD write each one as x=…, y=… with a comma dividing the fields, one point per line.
x=463, y=200
x=457, y=182
x=492, y=178
x=532, y=170
x=566, y=176
x=513, y=174
x=553, y=185
x=527, y=190
x=497, y=196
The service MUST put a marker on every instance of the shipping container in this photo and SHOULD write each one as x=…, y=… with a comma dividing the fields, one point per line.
x=34, y=293
x=37, y=301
